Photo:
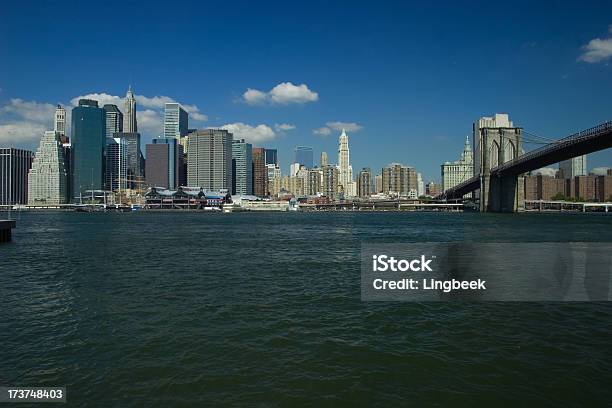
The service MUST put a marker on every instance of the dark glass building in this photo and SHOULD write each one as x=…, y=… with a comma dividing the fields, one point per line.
x=88, y=148
x=14, y=167
x=271, y=156
x=304, y=156
x=135, y=159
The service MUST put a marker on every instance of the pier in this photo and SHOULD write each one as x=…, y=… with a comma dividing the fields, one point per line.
x=5, y=230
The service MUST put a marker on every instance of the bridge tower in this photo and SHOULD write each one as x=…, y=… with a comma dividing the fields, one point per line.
x=496, y=146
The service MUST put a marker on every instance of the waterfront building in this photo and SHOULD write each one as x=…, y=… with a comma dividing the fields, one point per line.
x=242, y=167
x=274, y=179
x=312, y=184
x=573, y=167
x=59, y=122
x=209, y=162
x=116, y=164
x=14, y=168
x=432, y=189
x=294, y=168
x=260, y=172
x=129, y=120
x=420, y=185
x=329, y=186
x=324, y=160
x=454, y=173
x=378, y=183
x=364, y=183
x=135, y=159
x=603, y=187
x=399, y=180
x=114, y=120
x=176, y=121
x=271, y=156
x=304, y=156
x=542, y=187
x=88, y=144
x=48, y=178
x=164, y=163
x=344, y=166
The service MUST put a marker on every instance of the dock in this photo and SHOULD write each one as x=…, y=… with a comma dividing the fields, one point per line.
x=5, y=230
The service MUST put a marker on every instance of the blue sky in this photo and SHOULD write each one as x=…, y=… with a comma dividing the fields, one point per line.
x=407, y=79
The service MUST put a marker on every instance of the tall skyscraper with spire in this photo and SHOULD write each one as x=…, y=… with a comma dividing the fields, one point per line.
x=345, y=169
x=129, y=117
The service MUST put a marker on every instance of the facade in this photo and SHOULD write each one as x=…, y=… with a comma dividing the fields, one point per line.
x=304, y=156
x=176, y=121
x=209, y=162
x=454, y=173
x=135, y=159
x=164, y=162
x=543, y=187
x=324, y=160
x=364, y=183
x=432, y=189
x=88, y=147
x=271, y=156
x=330, y=182
x=129, y=120
x=114, y=120
x=242, y=167
x=312, y=182
x=14, y=168
x=274, y=179
x=344, y=166
x=399, y=180
x=260, y=172
x=576, y=166
x=116, y=164
x=48, y=177
x=59, y=122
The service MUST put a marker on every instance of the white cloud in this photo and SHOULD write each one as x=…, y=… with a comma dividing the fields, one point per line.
x=338, y=126
x=323, y=131
x=348, y=126
x=545, y=171
x=283, y=127
x=150, y=122
x=30, y=110
x=597, y=49
x=282, y=94
x=22, y=132
x=254, y=134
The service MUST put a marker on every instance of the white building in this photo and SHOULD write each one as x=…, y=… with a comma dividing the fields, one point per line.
x=576, y=166
x=47, y=179
x=59, y=124
x=345, y=170
x=116, y=164
x=454, y=173
x=420, y=185
x=129, y=118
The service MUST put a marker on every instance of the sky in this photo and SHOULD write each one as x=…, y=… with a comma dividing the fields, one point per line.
x=406, y=79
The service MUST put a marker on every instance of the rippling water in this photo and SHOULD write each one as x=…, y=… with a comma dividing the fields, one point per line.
x=188, y=309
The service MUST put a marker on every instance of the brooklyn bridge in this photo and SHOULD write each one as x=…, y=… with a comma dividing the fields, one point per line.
x=500, y=165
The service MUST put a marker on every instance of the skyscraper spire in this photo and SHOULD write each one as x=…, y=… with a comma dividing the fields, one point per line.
x=129, y=118
x=344, y=165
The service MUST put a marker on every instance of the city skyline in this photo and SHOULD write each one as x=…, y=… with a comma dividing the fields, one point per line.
x=536, y=74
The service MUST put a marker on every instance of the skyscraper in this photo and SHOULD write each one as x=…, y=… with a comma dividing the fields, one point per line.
x=59, y=123
x=364, y=183
x=135, y=159
x=330, y=182
x=399, y=180
x=271, y=156
x=324, y=159
x=576, y=166
x=304, y=156
x=164, y=162
x=344, y=166
x=114, y=120
x=176, y=121
x=116, y=164
x=242, y=167
x=48, y=178
x=454, y=173
x=209, y=162
x=260, y=172
x=129, y=120
x=14, y=167
x=88, y=147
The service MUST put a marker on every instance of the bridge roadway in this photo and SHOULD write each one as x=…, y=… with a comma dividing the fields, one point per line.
x=584, y=142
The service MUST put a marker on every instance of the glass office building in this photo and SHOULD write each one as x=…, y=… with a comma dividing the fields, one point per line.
x=271, y=156
x=304, y=156
x=88, y=147
x=176, y=121
x=242, y=167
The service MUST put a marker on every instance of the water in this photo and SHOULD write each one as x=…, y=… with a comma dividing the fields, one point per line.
x=192, y=309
